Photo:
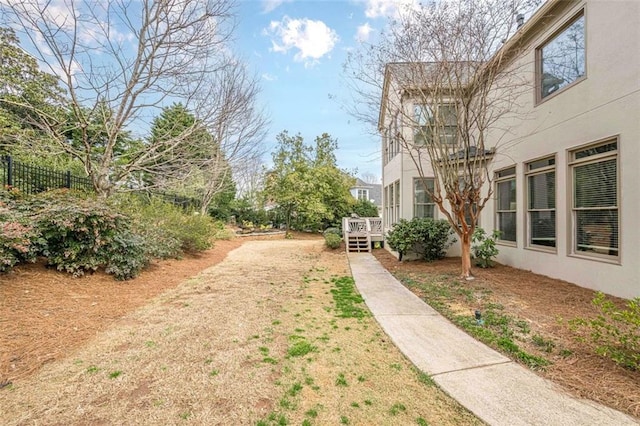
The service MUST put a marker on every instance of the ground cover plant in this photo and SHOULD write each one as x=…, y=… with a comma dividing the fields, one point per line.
x=532, y=319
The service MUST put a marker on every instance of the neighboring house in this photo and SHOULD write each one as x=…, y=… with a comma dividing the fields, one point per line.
x=566, y=177
x=368, y=191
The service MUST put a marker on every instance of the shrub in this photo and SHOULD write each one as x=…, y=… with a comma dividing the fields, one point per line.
x=426, y=237
x=484, y=247
x=78, y=232
x=332, y=230
x=167, y=230
x=616, y=332
x=332, y=241
x=126, y=255
x=19, y=240
x=365, y=208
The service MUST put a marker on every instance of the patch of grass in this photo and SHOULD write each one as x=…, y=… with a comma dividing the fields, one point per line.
x=92, y=369
x=396, y=366
x=344, y=420
x=264, y=350
x=276, y=322
x=421, y=422
x=115, y=374
x=368, y=402
x=214, y=373
x=185, y=415
x=301, y=348
x=349, y=303
x=287, y=404
x=397, y=408
x=341, y=380
x=565, y=353
x=424, y=378
x=313, y=413
x=269, y=360
x=361, y=379
x=273, y=419
x=294, y=389
x=355, y=404
x=546, y=345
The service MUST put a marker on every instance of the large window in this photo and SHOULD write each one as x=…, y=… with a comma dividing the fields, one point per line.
x=506, y=203
x=562, y=58
x=423, y=205
x=541, y=202
x=396, y=213
x=435, y=124
x=595, y=200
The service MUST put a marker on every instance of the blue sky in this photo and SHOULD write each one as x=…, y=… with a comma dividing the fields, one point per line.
x=297, y=48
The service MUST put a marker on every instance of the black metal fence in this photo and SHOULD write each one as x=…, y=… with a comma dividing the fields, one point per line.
x=31, y=179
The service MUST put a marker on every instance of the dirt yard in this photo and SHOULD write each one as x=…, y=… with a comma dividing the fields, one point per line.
x=96, y=351
x=246, y=336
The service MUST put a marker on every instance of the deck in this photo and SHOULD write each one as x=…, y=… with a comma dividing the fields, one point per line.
x=360, y=233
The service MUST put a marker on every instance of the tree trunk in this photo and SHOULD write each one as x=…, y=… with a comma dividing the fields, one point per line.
x=465, y=245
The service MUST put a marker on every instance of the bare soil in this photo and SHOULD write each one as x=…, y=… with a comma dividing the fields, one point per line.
x=547, y=305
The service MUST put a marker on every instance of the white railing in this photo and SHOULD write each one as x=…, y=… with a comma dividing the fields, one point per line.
x=359, y=226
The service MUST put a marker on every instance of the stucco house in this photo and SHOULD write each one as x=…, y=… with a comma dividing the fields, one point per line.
x=566, y=176
x=368, y=191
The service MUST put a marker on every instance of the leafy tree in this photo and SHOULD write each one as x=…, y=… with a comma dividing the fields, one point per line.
x=305, y=184
x=365, y=208
x=23, y=87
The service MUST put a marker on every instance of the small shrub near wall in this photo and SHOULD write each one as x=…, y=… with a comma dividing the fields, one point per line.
x=428, y=238
x=332, y=240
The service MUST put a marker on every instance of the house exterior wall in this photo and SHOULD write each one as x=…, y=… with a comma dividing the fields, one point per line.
x=604, y=105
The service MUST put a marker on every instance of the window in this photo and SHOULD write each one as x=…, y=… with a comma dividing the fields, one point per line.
x=441, y=126
x=594, y=171
x=396, y=213
x=363, y=194
x=506, y=203
x=562, y=59
x=423, y=205
x=541, y=202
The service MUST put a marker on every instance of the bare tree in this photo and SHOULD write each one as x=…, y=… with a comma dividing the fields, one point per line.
x=120, y=62
x=239, y=127
x=446, y=72
x=370, y=178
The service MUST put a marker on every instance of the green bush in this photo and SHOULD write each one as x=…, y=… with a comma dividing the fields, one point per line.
x=484, y=247
x=615, y=332
x=167, y=230
x=19, y=240
x=126, y=255
x=332, y=230
x=365, y=208
x=78, y=232
x=332, y=241
x=426, y=237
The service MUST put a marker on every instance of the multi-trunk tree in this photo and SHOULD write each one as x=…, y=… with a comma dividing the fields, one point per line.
x=448, y=78
x=119, y=64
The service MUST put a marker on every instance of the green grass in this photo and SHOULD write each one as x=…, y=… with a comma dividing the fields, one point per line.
x=115, y=374
x=349, y=304
x=301, y=348
x=397, y=408
x=341, y=380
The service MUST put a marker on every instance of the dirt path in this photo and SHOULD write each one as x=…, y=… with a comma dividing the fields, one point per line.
x=218, y=349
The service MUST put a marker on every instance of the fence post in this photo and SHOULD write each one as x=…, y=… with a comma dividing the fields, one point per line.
x=9, y=171
x=67, y=179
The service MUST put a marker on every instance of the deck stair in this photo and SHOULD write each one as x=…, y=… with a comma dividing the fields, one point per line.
x=360, y=232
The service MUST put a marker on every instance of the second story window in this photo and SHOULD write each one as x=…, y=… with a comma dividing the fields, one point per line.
x=561, y=60
x=363, y=194
x=434, y=124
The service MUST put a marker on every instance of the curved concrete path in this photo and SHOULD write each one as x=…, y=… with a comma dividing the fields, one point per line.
x=494, y=388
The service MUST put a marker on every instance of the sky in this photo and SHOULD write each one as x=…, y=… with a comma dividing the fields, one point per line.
x=297, y=48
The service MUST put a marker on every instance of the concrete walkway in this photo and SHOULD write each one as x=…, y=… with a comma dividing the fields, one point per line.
x=494, y=388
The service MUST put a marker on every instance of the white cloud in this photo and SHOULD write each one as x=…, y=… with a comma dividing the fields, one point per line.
x=311, y=39
x=269, y=77
x=363, y=33
x=387, y=8
x=270, y=5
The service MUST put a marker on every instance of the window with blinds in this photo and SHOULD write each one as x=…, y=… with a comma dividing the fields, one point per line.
x=435, y=124
x=541, y=202
x=423, y=205
x=505, y=181
x=595, y=209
